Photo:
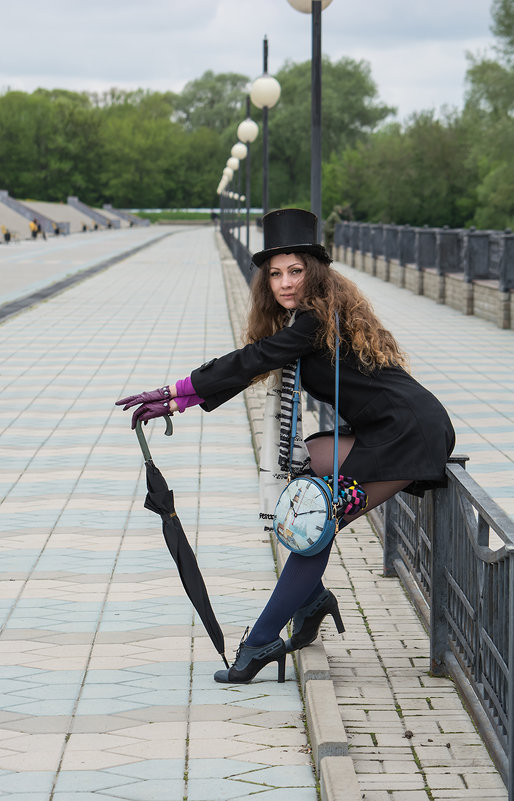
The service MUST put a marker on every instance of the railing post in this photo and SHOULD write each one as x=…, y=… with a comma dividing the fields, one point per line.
x=510, y=724
x=388, y=245
x=354, y=241
x=438, y=586
x=417, y=260
x=390, y=544
x=374, y=248
x=506, y=276
x=440, y=267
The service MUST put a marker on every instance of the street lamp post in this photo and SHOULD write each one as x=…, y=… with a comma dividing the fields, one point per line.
x=247, y=133
x=315, y=7
x=228, y=174
x=265, y=93
x=239, y=151
x=233, y=163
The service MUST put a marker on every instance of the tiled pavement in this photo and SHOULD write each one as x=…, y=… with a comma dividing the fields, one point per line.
x=106, y=677
x=105, y=673
x=28, y=266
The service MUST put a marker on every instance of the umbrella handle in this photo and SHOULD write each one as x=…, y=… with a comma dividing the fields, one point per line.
x=142, y=439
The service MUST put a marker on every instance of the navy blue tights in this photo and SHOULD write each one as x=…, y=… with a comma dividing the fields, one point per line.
x=299, y=584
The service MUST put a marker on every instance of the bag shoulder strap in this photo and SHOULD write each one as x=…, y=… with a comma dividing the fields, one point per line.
x=335, y=472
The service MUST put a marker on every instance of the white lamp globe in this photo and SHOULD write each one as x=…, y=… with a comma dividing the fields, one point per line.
x=265, y=91
x=239, y=151
x=305, y=6
x=243, y=198
x=228, y=173
x=247, y=130
x=233, y=163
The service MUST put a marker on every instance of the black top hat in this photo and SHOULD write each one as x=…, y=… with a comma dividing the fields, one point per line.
x=290, y=231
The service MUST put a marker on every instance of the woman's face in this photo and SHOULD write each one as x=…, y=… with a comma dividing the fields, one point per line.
x=286, y=277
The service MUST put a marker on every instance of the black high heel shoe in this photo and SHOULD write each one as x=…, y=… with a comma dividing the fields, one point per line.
x=250, y=660
x=308, y=619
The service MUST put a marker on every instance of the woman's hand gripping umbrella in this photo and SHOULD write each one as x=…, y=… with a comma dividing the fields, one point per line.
x=160, y=500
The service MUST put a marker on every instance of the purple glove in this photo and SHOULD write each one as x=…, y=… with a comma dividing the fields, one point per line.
x=163, y=393
x=152, y=404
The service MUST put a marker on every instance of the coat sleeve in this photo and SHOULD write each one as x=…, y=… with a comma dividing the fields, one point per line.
x=221, y=379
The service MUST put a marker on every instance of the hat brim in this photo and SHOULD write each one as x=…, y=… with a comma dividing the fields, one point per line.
x=315, y=250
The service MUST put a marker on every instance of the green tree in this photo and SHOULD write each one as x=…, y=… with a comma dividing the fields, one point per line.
x=150, y=149
x=68, y=144
x=212, y=101
x=412, y=174
x=138, y=154
x=503, y=26
x=350, y=111
x=489, y=113
x=49, y=145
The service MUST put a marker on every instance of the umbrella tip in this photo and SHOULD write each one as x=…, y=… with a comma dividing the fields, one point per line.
x=225, y=661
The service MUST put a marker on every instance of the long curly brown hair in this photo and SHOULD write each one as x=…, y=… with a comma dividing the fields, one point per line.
x=325, y=292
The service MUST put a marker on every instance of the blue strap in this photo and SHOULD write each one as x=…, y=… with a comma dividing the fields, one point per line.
x=335, y=473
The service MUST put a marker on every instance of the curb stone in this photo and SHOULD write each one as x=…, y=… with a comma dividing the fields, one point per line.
x=338, y=779
x=327, y=734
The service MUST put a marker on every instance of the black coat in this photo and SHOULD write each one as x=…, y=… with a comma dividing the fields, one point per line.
x=401, y=430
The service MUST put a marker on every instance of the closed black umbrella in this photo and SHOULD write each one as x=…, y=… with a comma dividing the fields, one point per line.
x=160, y=500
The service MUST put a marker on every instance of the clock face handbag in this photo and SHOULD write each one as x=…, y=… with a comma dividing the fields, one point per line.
x=307, y=511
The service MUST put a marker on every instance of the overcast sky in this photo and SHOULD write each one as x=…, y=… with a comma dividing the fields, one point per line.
x=416, y=48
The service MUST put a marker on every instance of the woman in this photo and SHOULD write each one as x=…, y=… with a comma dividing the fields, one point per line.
x=402, y=436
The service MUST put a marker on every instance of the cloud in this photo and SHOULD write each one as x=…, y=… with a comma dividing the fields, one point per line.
x=416, y=49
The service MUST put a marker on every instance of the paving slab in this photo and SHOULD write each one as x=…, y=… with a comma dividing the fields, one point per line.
x=90, y=600
x=31, y=266
x=106, y=680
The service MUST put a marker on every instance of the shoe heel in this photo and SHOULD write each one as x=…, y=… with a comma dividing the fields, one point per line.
x=338, y=621
x=281, y=661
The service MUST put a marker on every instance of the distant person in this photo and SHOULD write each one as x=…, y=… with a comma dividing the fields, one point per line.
x=6, y=234
x=84, y=227
x=33, y=228
x=337, y=215
x=56, y=229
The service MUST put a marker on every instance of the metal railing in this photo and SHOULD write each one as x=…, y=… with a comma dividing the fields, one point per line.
x=239, y=251
x=440, y=546
x=485, y=255
x=453, y=551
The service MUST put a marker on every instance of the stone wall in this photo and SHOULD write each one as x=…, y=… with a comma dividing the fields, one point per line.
x=480, y=297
